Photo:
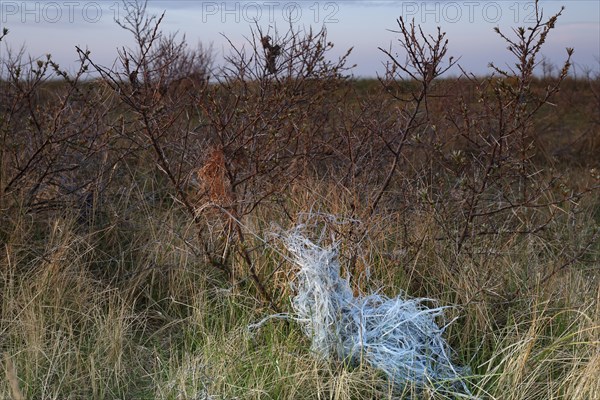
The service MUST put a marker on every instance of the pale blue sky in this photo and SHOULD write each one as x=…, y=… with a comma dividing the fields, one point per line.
x=57, y=26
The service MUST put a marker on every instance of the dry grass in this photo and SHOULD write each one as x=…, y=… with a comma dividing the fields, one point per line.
x=165, y=328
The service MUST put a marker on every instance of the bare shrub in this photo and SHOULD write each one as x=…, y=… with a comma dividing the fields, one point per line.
x=53, y=144
x=158, y=82
x=487, y=147
x=268, y=115
x=233, y=144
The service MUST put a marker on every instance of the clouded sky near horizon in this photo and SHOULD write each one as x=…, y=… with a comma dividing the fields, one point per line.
x=56, y=27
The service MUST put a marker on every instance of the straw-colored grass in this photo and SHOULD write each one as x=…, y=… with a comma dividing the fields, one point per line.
x=86, y=316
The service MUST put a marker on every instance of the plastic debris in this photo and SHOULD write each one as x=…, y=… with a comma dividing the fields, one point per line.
x=395, y=335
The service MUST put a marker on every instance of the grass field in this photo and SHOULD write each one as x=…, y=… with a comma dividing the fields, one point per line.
x=138, y=212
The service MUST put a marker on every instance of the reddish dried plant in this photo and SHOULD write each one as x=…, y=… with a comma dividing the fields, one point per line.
x=213, y=181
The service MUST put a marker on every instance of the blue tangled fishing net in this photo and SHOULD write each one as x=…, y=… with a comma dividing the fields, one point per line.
x=395, y=335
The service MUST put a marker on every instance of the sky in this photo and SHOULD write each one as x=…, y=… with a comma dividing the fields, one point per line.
x=56, y=27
